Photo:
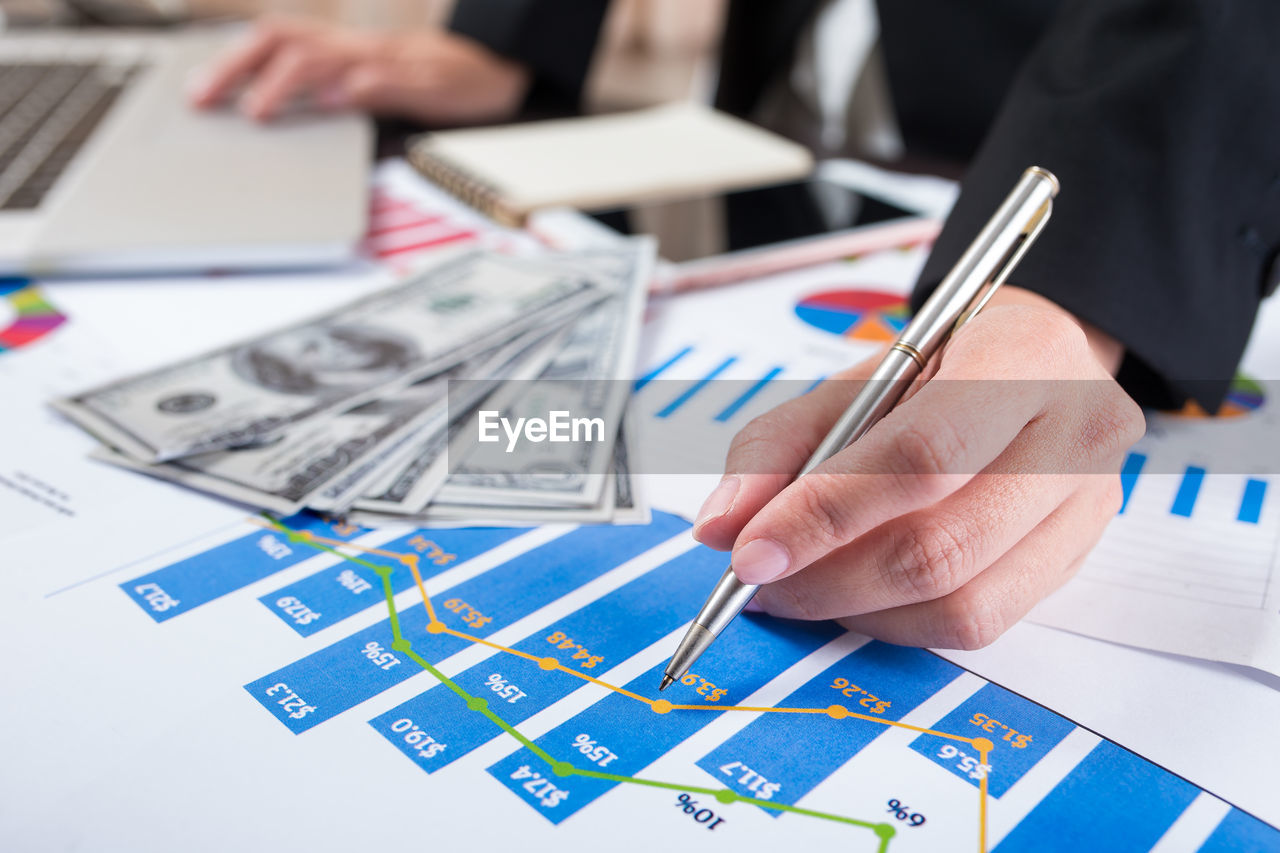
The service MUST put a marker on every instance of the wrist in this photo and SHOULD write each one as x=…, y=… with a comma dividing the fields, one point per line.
x=1106, y=349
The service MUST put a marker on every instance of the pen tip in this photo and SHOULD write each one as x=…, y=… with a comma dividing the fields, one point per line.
x=666, y=682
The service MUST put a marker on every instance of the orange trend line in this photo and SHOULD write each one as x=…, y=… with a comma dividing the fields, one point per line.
x=417, y=578
x=549, y=663
x=552, y=664
x=983, y=754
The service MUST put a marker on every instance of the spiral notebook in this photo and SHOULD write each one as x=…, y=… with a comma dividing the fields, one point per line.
x=598, y=162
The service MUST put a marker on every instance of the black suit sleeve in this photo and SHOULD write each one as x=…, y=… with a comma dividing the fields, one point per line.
x=1162, y=120
x=555, y=39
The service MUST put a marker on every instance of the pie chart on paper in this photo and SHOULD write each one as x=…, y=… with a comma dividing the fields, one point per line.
x=872, y=316
x=24, y=314
x=1244, y=397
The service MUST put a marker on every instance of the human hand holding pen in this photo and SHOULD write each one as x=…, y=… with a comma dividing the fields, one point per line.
x=958, y=511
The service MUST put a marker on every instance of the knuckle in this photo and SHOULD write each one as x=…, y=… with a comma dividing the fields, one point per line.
x=826, y=519
x=929, y=562
x=766, y=437
x=968, y=624
x=1113, y=425
x=1061, y=333
x=925, y=453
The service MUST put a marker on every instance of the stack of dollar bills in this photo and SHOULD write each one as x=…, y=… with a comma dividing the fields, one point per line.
x=485, y=389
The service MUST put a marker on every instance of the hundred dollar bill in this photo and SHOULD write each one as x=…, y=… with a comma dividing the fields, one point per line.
x=249, y=393
x=617, y=505
x=323, y=463
x=281, y=476
x=484, y=370
x=417, y=475
x=588, y=381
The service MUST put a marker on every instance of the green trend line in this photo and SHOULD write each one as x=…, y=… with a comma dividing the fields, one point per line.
x=559, y=768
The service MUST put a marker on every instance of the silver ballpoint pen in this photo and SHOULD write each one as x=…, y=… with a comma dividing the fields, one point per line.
x=971, y=282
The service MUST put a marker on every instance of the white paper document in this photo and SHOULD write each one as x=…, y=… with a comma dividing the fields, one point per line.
x=184, y=676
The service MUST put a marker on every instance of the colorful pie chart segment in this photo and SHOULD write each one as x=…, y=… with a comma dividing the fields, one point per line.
x=862, y=315
x=1246, y=396
x=29, y=316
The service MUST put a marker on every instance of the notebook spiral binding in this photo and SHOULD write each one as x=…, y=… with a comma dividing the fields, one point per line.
x=460, y=182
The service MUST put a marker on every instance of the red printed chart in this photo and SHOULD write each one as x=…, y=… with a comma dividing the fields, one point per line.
x=400, y=229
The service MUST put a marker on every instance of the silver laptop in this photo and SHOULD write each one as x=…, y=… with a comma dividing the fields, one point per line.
x=104, y=167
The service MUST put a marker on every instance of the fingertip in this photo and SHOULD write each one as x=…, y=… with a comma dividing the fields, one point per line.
x=717, y=504
x=760, y=561
x=716, y=534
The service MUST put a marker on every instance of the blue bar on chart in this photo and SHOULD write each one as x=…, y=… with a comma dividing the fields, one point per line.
x=621, y=736
x=661, y=368
x=359, y=667
x=782, y=757
x=331, y=595
x=1188, y=490
x=199, y=579
x=1111, y=800
x=1241, y=831
x=1251, y=503
x=692, y=391
x=1022, y=732
x=1132, y=467
x=756, y=387
x=590, y=640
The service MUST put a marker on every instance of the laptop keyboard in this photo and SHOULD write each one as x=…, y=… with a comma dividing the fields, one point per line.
x=48, y=110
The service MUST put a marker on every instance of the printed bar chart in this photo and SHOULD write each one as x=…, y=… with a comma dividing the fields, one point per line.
x=584, y=641
x=829, y=721
x=1021, y=732
x=635, y=734
x=1112, y=800
x=692, y=391
x=1133, y=465
x=1185, y=501
x=732, y=409
x=782, y=757
x=359, y=667
x=1251, y=502
x=333, y=594
x=186, y=584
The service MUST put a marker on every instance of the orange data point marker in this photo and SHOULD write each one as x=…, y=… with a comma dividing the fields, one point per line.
x=435, y=627
x=661, y=706
x=837, y=712
x=548, y=663
x=983, y=745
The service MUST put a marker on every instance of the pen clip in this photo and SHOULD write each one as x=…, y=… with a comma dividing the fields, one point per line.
x=1016, y=251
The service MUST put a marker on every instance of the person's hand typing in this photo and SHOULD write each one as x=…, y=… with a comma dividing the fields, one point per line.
x=430, y=75
x=978, y=495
